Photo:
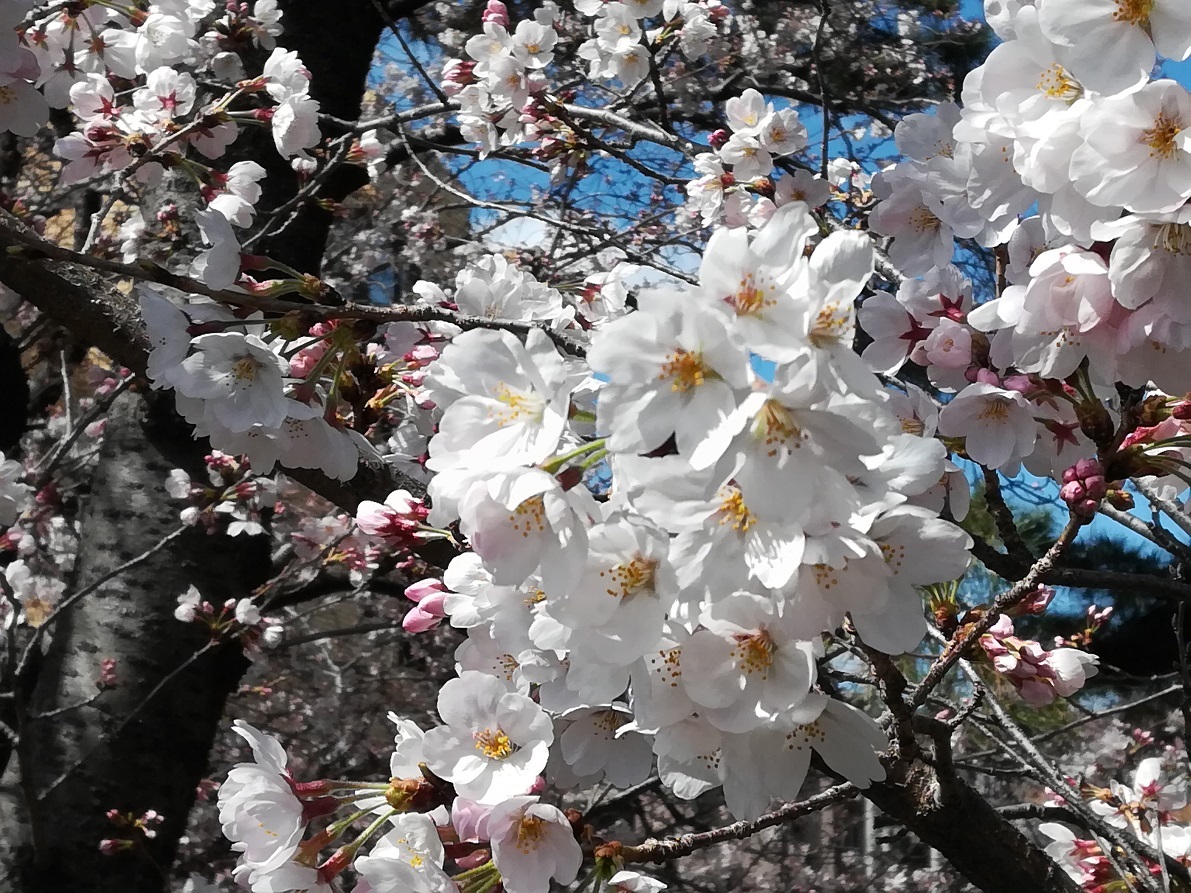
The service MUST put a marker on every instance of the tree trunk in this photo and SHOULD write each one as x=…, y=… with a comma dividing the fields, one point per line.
x=143, y=744
x=337, y=48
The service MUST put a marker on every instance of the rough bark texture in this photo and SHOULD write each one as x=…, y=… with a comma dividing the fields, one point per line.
x=954, y=819
x=129, y=748
x=126, y=750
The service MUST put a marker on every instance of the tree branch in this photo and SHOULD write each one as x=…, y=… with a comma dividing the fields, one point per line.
x=675, y=847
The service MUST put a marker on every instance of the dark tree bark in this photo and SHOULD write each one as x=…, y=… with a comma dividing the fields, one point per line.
x=947, y=814
x=138, y=747
x=144, y=743
x=14, y=394
x=336, y=46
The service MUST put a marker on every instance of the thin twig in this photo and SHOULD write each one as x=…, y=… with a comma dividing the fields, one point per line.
x=396, y=31
x=334, y=633
x=969, y=634
x=817, y=56
x=341, y=150
x=674, y=847
x=1174, y=511
x=51, y=459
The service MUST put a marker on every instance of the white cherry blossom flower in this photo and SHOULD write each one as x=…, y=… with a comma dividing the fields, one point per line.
x=513, y=404
x=745, y=668
x=673, y=369
x=533, y=843
x=494, y=742
x=1113, y=42
x=240, y=378
x=408, y=859
x=219, y=266
x=997, y=425
x=257, y=807
x=1137, y=149
x=595, y=740
x=774, y=763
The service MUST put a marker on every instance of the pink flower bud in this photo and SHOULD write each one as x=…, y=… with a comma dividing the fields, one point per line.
x=304, y=361
x=420, y=619
x=1073, y=492
x=107, y=672
x=1005, y=663
x=415, y=592
x=497, y=13
x=719, y=139
x=1037, y=694
x=397, y=520
x=1038, y=601
x=1002, y=628
x=1019, y=383
x=422, y=355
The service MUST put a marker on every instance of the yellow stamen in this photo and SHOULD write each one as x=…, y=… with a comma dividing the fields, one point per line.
x=1161, y=137
x=754, y=653
x=495, y=745
x=686, y=369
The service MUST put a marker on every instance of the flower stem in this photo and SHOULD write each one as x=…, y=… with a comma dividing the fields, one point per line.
x=558, y=462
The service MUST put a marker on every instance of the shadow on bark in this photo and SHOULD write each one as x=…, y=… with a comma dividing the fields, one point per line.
x=142, y=744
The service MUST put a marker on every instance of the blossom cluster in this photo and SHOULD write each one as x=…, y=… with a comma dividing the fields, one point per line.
x=1147, y=809
x=1039, y=676
x=1070, y=161
x=251, y=397
x=664, y=507
x=503, y=89
x=676, y=619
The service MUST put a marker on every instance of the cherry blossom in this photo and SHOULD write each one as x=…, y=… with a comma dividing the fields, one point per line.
x=533, y=842
x=494, y=742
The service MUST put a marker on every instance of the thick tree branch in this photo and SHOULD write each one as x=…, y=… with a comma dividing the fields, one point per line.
x=968, y=830
x=1083, y=578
